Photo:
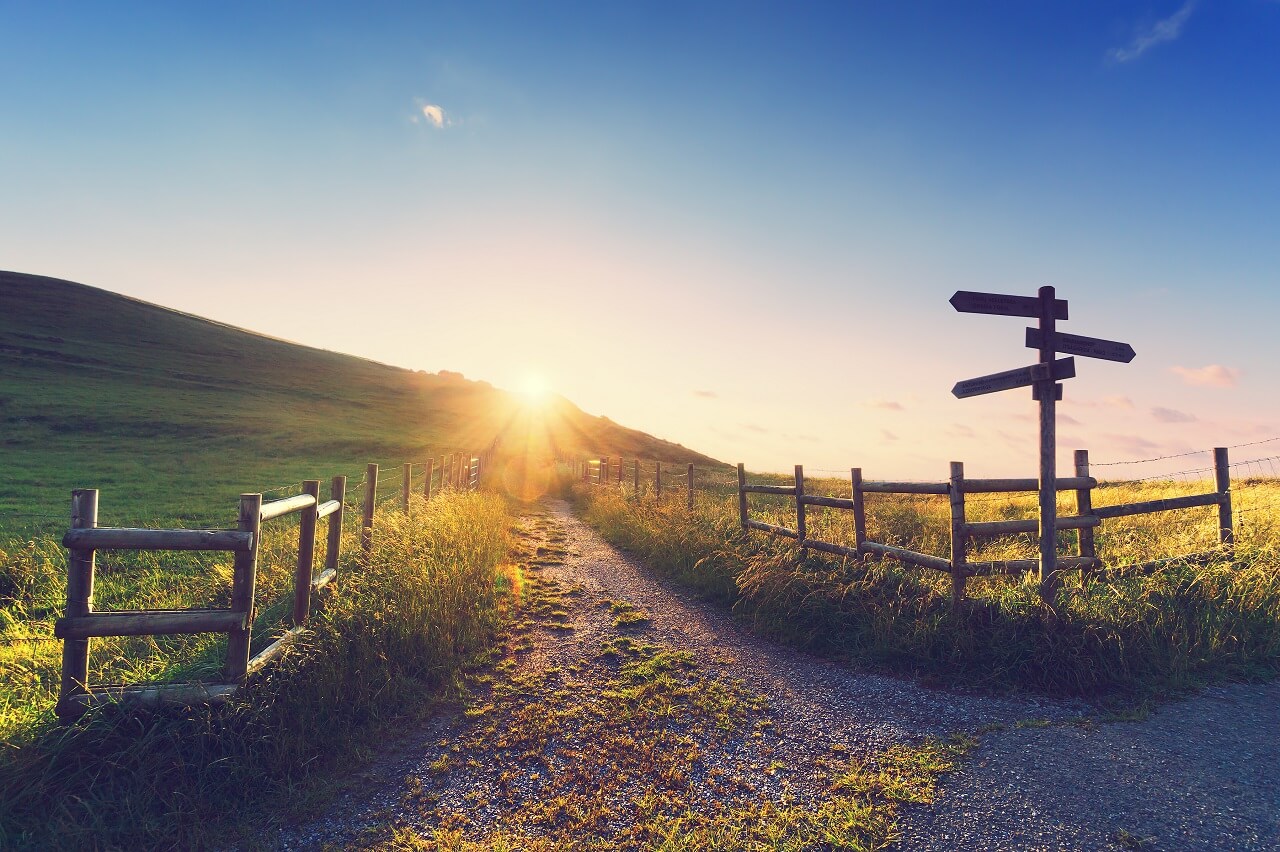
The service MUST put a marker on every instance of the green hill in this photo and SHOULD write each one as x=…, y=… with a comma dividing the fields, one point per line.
x=172, y=415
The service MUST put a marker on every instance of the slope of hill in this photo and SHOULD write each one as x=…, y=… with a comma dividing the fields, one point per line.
x=172, y=415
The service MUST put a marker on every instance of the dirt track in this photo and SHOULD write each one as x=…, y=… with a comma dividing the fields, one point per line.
x=562, y=736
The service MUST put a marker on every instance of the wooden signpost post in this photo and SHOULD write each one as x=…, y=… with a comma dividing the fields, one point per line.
x=1043, y=377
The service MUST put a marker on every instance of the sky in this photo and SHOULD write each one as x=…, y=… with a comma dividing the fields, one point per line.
x=733, y=225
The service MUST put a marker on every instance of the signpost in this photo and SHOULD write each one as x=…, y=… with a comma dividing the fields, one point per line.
x=1063, y=368
x=1043, y=378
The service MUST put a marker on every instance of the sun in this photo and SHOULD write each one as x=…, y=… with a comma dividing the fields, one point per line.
x=534, y=388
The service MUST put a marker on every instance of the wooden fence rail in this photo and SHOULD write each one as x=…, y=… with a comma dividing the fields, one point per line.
x=81, y=623
x=1088, y=517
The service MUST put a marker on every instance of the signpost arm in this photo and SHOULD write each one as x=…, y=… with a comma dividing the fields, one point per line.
x=1046, y=391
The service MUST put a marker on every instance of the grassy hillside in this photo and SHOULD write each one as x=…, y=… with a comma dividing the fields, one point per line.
x=172, y=415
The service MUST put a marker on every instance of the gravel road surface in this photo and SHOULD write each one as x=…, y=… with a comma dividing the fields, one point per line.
x=1199, y=774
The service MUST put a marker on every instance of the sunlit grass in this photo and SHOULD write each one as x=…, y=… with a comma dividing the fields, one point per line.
x=1120, y=634
x=379, y=648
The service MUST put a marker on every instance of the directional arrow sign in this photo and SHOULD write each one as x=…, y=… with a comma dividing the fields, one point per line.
x=1063, y=368
x=970, y=302
x=1089, y=347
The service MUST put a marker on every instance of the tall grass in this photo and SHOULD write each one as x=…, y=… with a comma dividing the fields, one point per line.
x=380, y=647
x=1123, y=636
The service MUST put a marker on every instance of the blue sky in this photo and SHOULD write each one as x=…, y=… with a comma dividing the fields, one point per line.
x=735, y=225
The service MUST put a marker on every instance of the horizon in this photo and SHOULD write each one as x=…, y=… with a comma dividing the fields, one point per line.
x=737, y=232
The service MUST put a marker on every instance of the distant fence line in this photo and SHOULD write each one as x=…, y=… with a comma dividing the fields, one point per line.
x=600, y=471
x=457, y=471
x=1087, y=518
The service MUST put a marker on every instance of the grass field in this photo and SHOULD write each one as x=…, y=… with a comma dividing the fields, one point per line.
x=379, y=651
x=172, y=416
x=1126, y=637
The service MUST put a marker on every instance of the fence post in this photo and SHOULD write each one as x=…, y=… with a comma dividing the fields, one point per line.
x=859, y=509
x=370, y=503
x=1222, y=480
x=657, y=481
x=426, y=485
x=405, y=485
x=635, y=484
x=621, y=464
x=688, y=484
x=243, y=578
x=306, y=554
x=1084, y=506
x=80, y=566
x=959, y=536
x=742, y=495
x=333, y=546
x=800, y=526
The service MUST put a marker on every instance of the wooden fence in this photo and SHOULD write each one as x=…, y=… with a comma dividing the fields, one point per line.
x=1086, y=519
x=81, y=623
x=639, y=474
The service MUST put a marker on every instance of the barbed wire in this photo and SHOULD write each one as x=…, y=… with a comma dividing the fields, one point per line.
x=278, y=488
x=1182, y=455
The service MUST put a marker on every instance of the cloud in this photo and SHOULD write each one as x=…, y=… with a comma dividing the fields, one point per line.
x=759, y=430
x=886, y=435
x=1133, y=444
x=886, y=404
x=1114, y=401
x=435, y=115
x=1211, y=375
x=706, y=394
x=1172, y=415
x=1167, y=29
x=959, y=430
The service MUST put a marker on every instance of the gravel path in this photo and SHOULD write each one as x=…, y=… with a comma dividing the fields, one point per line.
x=1198, y=774
x=723, y=718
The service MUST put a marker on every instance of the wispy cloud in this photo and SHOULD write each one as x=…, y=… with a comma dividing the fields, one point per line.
x=706, y=394
x=1164, y=30
x=432, y=114
x=959, y=430
x=886, y=404
x=1114, y=401
x=1211, y=375
x=1133, y=444
x=752, y=427
x=1172, y=415
x=886, y=435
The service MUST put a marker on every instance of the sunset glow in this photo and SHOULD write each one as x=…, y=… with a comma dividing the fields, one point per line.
x=733, y=227
x=534, y=388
